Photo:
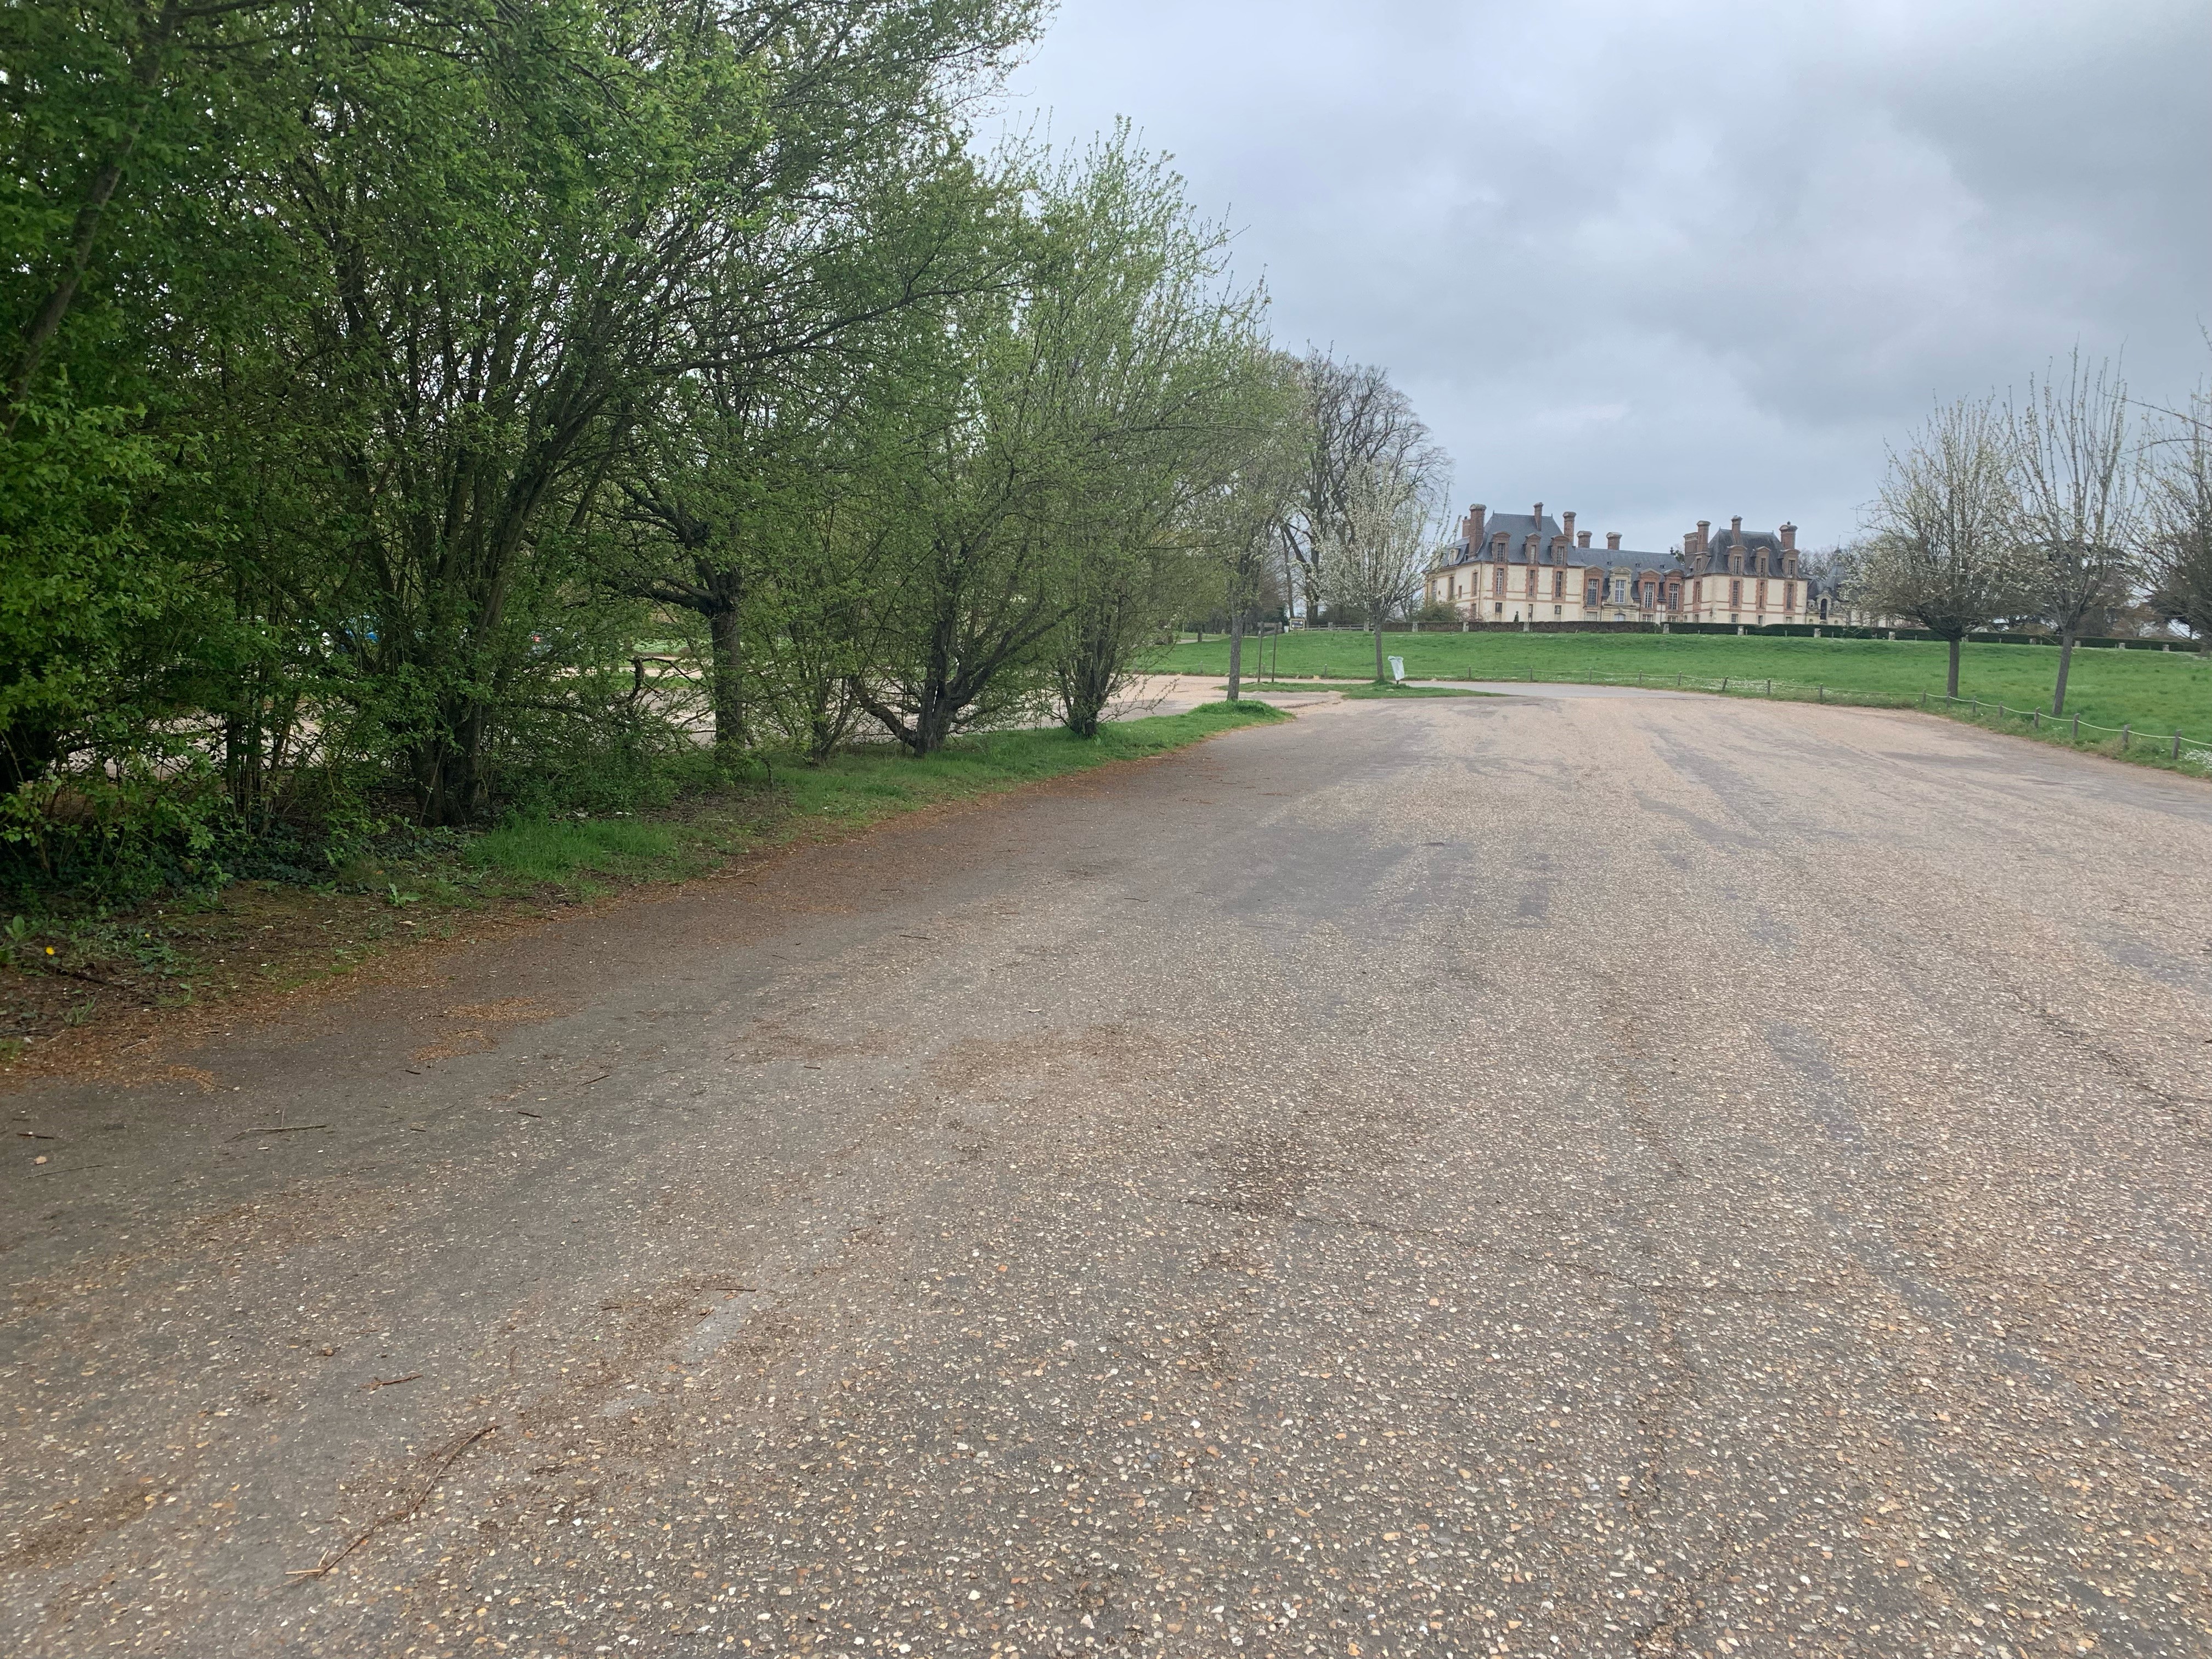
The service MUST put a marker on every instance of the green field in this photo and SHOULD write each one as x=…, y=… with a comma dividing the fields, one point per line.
x=2152, y=690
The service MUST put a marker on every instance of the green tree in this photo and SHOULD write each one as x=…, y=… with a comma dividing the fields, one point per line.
x=1065, y=422
x=796, y=381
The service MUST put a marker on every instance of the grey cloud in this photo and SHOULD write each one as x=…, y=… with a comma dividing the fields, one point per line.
x=1660, y=262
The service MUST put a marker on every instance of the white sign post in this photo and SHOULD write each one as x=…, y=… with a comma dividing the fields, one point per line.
x=1397, y=669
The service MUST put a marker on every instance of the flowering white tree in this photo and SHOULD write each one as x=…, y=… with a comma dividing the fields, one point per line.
x=1943, y=550
x=2177, y=516
x=1376, y=553
x=2079, y=500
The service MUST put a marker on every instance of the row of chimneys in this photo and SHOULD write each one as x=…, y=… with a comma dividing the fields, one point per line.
x=1702, y=541
x=1471, y=527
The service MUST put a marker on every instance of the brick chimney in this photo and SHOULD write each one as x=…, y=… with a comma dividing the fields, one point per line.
x=1736, y=530
x=1567, y=526
x=1789, y=538
x=1612, y=541
x=1537, y=521
x=1582, y=539
x=1470, y=527
x=1705, y=529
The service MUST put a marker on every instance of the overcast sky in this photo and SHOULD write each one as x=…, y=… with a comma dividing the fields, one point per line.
x=1665, y=261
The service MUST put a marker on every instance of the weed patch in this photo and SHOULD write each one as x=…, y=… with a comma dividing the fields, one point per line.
x=556, y=849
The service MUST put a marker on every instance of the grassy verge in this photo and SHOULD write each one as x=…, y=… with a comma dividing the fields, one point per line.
x=1254, y=687
x=1384, y=688
x=59, y=974
x=2142, y=747
x=2150, y=690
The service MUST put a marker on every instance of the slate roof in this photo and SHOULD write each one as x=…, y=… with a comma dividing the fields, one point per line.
x=1724, y=540
x=1517, y=526
x=1628, y=559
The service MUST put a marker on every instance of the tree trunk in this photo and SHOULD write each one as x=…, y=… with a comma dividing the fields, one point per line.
x=932, y=723
x=1378, y=644
x=726, y=632
x=1235, y=651
x=449, y=782
x=2065, y=662
x=1954, y=686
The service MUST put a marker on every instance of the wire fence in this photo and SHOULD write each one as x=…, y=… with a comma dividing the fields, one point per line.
x=2170, y=748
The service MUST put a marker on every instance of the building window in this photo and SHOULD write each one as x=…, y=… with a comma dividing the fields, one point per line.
x=1619, y=591
x=1559, y=584
x=1531, y=581
x=1673, y=596
x=1497, y=610
x=1498, y=578
x=1762, y=590
x=1589, y=592
x=1736, y=596
x=1557, y=608
x=1790, y=596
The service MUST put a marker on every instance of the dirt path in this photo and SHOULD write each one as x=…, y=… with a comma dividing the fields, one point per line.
x=1540, y=1174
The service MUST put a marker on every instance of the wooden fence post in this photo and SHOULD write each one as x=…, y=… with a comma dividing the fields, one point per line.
x=2127, y=735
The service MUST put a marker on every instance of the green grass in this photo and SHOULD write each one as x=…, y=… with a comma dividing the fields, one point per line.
x=855, y=787
x=57, y=972
x=557, y=850
x=2154, y=691
x=1292, y=685
x=875, y=781
x=1384, y=688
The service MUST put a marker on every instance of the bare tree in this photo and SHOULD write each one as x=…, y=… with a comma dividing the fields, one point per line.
x=2177, y=516
x=1356, y=422
x=1942, y=538
x=2080, y=520
x=1377, y=555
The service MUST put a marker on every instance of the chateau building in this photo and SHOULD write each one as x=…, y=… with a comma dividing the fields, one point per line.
x=1526, y=567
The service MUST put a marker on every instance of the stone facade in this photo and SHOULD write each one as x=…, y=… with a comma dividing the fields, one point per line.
x=1511, y=567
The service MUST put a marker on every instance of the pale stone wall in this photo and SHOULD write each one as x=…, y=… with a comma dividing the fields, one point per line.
x=1748, y=579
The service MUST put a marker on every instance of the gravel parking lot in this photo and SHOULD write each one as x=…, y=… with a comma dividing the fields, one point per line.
x=1530, y=1175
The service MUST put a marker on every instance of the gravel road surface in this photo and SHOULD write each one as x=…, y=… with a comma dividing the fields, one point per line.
x=1593, y=1175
